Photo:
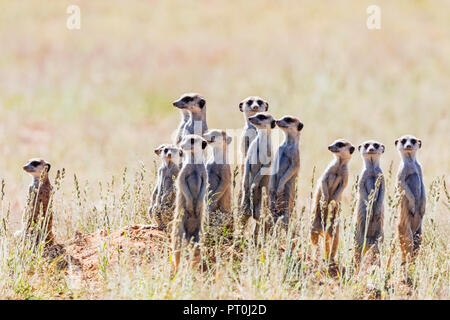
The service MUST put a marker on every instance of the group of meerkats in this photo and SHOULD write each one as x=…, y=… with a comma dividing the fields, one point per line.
x=186, y=185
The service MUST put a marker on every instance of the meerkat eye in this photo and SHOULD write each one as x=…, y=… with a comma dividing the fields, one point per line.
x=376, y=145
x=339, y=144
x=35, y=163
x=403, y=141
x=250, y=102
x=366, y=146
x=187, y=99
x=259, y=102
x=166, y=150
x=261, y=117
x=288, y=120
x=413, y=141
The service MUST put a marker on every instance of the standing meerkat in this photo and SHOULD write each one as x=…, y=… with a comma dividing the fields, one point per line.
x=410, y=181
x=370, y=201
x=196, y=106
x=257, y=167
x=163, y=196
x=185, y=116
x=328, y=196
x=39, y=218
x=285, y=170
x=191, y=189
x=219, y=179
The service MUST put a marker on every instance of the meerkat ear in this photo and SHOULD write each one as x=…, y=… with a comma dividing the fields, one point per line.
x=158, y=151
x=48, y=166
x=352, y=149
x=382, y=148
x=267, y=106
x=240, y=107
x=273, y=124
x=359, y=147
x=300, y=126
x=420, y=143
x=229, y=139
x=396, y=142
x=204, y=144
x=202, y=103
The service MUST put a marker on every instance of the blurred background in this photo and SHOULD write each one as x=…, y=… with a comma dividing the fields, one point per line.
x=98, y=99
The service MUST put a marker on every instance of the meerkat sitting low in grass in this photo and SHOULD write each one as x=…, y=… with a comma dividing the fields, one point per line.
x=191, y=190
x=257, y=167
x=413, y=203
x=328, y=196
x=162, y=207
x=370, y=212
x=38, y=220
x=285, y=170
x=219, y=180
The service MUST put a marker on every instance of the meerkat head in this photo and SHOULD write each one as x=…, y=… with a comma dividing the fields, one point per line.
x=192, y=102
x=262, y=120
x=289, y=124
x=217, y=138
x=169, y=153
x=35, y=167
x=193, y=142
x=252, y=105
x=342, y=148
x=371, y=149
x=408, y=144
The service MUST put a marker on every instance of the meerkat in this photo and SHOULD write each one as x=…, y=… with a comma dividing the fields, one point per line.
x=257, y=167
x=191, y=190
x=329, y=192
x=285, y=170
x=410, y=181
x=371, y=200
x=40, y=216
x=196, y=106
x=219, y=179
x=163, y=197
x=185, y=116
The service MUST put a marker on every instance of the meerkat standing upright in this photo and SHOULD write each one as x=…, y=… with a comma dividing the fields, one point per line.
x=370, y=202
x=163, y=196
x=40, y=218
x=285, y=170
x=219, y=179
x=410, y=181
x=185, y=116
x=196, y=106
x=329, y=192
x=257, y=167
x=191, y=189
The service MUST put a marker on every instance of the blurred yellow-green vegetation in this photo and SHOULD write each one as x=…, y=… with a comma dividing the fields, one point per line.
x=98, y=99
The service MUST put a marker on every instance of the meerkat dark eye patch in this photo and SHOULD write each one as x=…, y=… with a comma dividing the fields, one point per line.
x=187, y=99
x=35, y=163
x=166, y=150
x=261, y=117
x=376, y=145
x=249, y=102
x=403, y=141
x=339, y=144
x=366, y=146
x=289, y=120
x=259, y=102
x=413, y=141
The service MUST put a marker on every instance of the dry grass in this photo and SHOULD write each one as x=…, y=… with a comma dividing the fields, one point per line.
x=97, y=100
